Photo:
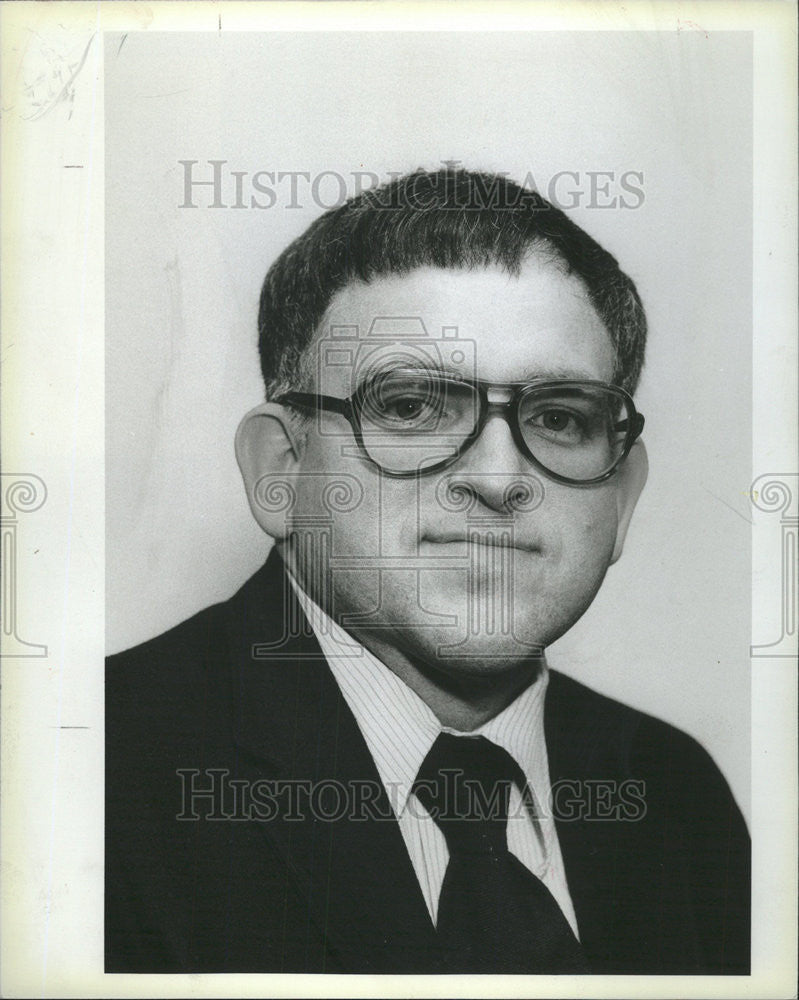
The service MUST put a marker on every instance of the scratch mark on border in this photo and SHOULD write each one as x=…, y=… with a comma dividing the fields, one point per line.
x=65, y=89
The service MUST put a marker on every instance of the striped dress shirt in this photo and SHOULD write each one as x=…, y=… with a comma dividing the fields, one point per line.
x=399, y=729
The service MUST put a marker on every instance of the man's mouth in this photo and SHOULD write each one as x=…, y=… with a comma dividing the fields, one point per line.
x=501, y=539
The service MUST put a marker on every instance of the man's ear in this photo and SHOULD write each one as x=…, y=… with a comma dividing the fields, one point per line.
x=269, y=448
x=631, y=477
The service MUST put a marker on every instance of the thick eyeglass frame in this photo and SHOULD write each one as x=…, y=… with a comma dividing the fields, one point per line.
x=509, y=410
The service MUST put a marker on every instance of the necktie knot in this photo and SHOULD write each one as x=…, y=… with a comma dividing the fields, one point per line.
x=464, y=783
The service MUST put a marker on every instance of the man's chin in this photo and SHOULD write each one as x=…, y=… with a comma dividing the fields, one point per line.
x=453, y=627
x=471, y=662
x=474, y=673
x=494, y=621
x=461, y=652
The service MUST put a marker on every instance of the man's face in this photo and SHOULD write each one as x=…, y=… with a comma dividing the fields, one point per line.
x=446, y=567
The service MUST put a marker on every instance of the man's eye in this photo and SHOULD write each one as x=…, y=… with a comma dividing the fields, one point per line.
x=557, y=421
x=402, y=410
x=406, y=407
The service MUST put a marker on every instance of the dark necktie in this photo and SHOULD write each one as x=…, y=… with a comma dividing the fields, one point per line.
x=493, y=914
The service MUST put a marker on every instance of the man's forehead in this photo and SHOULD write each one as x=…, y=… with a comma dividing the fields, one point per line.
x=481, y=323
x=456, y=290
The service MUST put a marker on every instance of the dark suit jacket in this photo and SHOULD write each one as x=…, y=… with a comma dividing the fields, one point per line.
x=220, y=698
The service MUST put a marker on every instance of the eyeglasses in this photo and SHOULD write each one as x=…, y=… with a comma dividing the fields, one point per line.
x=410, y=423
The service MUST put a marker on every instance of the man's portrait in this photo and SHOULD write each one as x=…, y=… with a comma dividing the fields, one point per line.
x=427, y=627
x=443, y=509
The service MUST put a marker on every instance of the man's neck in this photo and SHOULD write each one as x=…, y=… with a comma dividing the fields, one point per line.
x=462, y=702
x=459, y=699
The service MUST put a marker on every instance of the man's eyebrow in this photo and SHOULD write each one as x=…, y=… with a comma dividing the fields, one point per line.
x=526, y=375
x=536, y=374
x=554, y=372
x=419, y=367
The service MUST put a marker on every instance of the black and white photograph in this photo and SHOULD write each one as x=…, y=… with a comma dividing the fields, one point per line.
x=421, y=489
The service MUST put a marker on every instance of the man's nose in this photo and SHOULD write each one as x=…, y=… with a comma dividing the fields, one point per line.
x=495, y=473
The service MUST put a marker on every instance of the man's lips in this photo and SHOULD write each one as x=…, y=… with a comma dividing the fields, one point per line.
x=500, y=539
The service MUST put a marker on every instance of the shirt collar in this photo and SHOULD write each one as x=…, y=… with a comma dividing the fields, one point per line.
x=399, y=728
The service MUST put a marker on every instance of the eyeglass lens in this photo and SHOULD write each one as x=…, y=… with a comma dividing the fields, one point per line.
x=411, y=423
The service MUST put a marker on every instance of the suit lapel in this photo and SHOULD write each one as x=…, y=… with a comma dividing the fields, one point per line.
x=586, y=751
x=345, y=852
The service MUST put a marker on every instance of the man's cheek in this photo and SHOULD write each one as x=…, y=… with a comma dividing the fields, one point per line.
x=356, y=592
x=339, y=508
x=599, y=538
x=588, y=533
x=355, y=536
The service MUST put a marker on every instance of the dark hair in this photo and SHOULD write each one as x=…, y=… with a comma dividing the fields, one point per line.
x=450, y=218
